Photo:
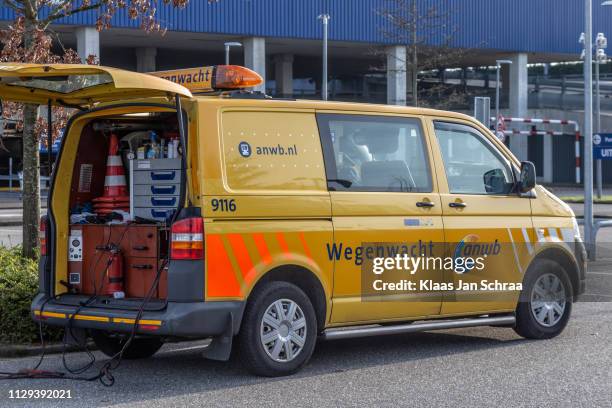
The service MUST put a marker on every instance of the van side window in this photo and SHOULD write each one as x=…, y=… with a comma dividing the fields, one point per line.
x=472, y=164
x=374, y=153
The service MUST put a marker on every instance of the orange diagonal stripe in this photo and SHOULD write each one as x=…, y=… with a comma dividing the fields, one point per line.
x=242, y=256
x=305, y=245
x=221, y=280
x=260, y=243
x=280, y=237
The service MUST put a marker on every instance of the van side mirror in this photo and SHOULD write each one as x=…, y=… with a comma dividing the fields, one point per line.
x=527, y=181
x=495, y=182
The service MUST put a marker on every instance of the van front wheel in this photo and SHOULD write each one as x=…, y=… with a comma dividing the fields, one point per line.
x=545, y=303
x=279, y=330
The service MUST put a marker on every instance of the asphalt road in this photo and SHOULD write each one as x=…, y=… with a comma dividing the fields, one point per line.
x=476, y=367
x=465, y=367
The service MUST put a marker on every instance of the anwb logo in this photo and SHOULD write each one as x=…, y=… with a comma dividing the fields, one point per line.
x=245, y=149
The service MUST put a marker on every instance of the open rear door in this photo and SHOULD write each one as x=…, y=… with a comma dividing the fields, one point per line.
x=79, y=85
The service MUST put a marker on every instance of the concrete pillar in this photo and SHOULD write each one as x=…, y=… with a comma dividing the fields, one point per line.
x=396, y=75
x=145, y=59
x=283, y=70
x=518, y=100
x=255, y=58
x=88, y=42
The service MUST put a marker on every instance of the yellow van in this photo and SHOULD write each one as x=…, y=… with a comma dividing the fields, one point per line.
x=268, y=224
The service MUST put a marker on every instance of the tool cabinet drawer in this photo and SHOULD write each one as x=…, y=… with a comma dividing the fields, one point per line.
x=139, y=275
x=157, y=177
x=157, y=189
x=157, y=164
x=156, y=201
x=143, y=242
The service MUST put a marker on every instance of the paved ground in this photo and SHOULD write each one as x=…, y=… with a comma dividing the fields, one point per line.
x=464, y=367
x=468, y=367
x=11, y=236
x=12, y=199
x=479, y=367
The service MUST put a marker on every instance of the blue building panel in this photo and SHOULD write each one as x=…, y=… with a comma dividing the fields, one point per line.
x=539, y=26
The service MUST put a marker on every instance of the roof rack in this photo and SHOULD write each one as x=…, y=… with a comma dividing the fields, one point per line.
x=244, y=94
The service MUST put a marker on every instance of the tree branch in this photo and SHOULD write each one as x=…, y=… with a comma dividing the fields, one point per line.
x=59, y=14
x=11, y=4
x=59, y=7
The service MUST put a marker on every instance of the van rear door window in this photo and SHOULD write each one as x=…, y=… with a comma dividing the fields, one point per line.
x=62, y=84
x=374, y=153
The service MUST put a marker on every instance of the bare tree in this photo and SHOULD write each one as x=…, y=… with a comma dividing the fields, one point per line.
x=33, y=44
x=427, y=34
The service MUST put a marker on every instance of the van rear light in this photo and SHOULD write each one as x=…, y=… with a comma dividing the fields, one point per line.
x=42, y=235
x=187, y=240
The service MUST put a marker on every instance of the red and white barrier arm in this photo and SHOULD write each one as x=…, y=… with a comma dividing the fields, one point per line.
x=561, y=122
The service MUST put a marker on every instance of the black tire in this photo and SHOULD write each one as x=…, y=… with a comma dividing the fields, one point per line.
x=140, y=347
x=526, y=323
x=251, y=350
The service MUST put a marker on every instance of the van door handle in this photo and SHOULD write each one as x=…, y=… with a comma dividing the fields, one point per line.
x=425, y=204
x=457, y=205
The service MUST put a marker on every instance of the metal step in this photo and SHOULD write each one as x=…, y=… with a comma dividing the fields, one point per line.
x=367, y=331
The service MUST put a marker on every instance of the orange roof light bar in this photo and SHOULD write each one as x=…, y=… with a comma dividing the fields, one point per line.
x=210, y=79
x=235, y=77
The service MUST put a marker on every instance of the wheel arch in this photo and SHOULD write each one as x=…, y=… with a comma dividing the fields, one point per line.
x=566, y=261
x=304, y=279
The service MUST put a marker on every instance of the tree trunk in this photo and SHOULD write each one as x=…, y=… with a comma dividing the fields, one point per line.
x=31, y=169
x=31, y=180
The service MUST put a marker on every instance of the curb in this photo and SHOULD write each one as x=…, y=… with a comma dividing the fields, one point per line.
x=27, y=350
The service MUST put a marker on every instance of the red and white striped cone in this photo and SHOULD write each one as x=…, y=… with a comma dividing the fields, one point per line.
x=116, y=194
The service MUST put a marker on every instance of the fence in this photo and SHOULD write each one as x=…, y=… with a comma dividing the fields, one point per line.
x=44, y=181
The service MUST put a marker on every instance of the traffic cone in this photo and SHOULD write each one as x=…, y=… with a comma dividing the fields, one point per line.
x=116, y=194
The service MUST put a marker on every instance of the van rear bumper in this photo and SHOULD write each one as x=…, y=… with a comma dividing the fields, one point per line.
x=189, y=320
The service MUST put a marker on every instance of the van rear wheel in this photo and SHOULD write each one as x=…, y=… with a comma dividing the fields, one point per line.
x=545, y=303
x=140, y=347
x=279, y=330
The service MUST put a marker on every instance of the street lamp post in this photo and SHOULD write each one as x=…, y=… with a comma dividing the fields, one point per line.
x=588, y=128
x=498, y=64
x=228, y=46
x=325, y=18
x=601, y=43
